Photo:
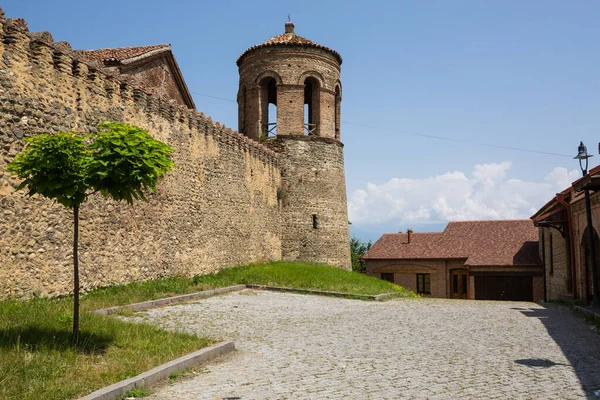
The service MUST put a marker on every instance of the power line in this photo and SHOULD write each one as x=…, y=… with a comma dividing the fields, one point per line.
x=497, y=146
x=449, y=139
x=214, y=97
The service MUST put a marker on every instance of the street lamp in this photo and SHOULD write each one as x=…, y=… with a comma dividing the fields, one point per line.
x=582, y=154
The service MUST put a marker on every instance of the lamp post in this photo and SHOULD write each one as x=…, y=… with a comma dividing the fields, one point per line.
x=583, y=155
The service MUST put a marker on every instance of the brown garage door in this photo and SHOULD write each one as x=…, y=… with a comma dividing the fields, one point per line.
x=515, y=288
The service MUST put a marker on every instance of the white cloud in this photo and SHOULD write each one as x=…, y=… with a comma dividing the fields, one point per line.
x=487, y=194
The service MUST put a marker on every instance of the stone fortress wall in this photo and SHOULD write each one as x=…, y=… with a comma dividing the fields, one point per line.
x=219, y=207
x=230, y=200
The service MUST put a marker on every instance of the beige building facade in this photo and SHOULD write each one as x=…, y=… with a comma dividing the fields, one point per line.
x=564, y=241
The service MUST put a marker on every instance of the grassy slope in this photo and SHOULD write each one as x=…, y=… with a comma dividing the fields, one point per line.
x=38, y=361
x=303, y=276
x=280, y=273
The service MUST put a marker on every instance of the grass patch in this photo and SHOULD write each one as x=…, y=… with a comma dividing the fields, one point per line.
x=301, y=276
x=174, y=376
x=280, y=273
x=38, y=361
x=136, y=392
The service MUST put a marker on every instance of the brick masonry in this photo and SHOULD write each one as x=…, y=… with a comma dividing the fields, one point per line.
x=221, y=206
x=558, y=276
x=579, y=218
x=569, y=277
x=313, y=189
x=157, y=77
x=405, y=274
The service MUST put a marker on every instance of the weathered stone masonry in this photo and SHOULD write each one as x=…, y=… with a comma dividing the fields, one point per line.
x=302, y=79
x=222, y=205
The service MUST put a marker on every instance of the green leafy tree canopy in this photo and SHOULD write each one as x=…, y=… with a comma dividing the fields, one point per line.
x=126, y=161
x=54, y=166
x=121, y=161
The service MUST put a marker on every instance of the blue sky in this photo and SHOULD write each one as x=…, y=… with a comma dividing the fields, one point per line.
x=522, y=74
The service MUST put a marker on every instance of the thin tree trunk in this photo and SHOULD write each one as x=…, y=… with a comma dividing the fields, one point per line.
x=75, y=274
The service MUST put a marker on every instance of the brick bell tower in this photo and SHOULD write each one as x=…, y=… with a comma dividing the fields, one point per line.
x=289, y=98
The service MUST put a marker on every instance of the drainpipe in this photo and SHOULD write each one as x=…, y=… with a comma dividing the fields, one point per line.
x=560, y=197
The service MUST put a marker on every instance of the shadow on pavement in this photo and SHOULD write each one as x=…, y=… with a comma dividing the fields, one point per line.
x=578, y=341
x=538, y=362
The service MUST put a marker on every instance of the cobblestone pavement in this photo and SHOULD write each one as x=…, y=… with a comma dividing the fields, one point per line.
x=292, y=346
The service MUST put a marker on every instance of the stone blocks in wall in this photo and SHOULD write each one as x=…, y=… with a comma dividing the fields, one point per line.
x=314, y=190
x=217, y=208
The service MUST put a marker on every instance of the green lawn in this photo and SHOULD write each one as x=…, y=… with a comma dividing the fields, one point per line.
x=302, y=276
x=38, y=361
x=280, y=273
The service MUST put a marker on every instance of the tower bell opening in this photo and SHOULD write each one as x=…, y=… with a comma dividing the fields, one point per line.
x=311, y=106
x=268, y=97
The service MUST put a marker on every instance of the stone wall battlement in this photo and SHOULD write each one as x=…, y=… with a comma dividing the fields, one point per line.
x=37, y=54
x=218, y=207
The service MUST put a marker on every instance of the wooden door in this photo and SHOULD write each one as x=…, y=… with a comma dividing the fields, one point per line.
x=515, y=288
x=458, y=284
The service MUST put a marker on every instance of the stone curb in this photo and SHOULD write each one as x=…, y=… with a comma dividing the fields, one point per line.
x=588, y=311
x=161, y=372
x=384, y=296
x=208, y=293
x=168, y=300
x=378, y=297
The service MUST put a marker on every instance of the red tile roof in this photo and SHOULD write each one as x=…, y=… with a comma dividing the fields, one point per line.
x=481, y=243
x=123, y=53
x=290, y=39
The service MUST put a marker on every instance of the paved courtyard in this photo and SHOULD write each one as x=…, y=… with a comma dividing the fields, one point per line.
x=292, y=346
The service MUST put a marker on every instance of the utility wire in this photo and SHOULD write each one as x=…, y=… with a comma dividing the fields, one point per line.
x=496, y=146
x=214, y=97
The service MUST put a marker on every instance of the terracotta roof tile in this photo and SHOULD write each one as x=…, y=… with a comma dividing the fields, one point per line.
x=290, y=39
x=481, y=243
x=122, y=53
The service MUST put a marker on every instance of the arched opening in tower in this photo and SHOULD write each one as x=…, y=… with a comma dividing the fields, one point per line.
x=311, y=106
x=268, y=99
x=338, y=101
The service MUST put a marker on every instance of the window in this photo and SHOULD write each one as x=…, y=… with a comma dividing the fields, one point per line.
x=315, y=221
x=387, y=276
x=424, y=283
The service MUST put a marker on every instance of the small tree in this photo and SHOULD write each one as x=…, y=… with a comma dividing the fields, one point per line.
x=121, y=161
x=357, y=250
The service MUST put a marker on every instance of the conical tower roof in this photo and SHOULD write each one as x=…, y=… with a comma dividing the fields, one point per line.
x=289, y=39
